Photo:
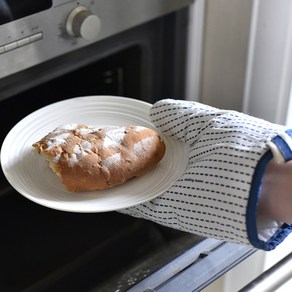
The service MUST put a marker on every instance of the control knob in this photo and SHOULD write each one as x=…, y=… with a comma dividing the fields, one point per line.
x=82, y=23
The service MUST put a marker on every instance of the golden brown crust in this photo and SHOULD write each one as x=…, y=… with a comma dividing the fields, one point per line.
x=88, y=158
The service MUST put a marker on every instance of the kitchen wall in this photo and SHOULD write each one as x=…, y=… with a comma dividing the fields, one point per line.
x=269, y=67
x=227, y=26
x=222, y=51
x=240, y=56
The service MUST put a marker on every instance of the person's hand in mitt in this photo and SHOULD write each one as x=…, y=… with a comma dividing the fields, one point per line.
x=237, y=185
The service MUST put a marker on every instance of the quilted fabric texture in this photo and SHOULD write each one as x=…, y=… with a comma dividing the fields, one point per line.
x=218, y=192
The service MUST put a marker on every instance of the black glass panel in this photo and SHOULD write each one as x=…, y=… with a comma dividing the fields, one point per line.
x=14, y=9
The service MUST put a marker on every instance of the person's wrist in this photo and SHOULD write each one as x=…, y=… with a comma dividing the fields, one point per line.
x=275, y=200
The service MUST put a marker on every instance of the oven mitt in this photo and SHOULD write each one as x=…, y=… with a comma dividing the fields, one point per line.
x=217, y=194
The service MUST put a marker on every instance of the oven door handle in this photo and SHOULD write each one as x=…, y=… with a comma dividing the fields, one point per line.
x=273, y=278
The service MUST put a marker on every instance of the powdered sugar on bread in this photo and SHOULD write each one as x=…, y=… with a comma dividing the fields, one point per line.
x=144, y=145
x=114, y=136
x=57, y=140
x=90, y=158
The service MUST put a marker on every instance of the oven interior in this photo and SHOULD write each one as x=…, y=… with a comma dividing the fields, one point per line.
x=48, y=250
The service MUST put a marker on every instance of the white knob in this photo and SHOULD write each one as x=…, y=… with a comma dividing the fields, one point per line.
x=82, y=23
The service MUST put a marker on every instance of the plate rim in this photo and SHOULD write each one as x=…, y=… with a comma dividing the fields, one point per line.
x=46, y=203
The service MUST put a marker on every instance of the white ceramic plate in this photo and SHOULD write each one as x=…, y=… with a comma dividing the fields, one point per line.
x=30, y=175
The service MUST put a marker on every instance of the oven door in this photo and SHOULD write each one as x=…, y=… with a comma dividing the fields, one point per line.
x=48, y=250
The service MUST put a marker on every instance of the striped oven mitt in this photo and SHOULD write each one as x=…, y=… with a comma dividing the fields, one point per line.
x=217, y=194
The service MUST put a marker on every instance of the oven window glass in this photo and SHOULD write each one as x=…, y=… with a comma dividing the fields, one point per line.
x=118, y=74
x=14, y=9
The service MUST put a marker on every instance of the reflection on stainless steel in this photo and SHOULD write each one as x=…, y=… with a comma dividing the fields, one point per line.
x=273, y=278
x=196, y=268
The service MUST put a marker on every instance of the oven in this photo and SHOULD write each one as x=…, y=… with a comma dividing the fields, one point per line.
x=52, y=50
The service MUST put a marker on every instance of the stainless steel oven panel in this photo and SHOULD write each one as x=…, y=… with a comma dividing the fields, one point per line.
x=44, y=35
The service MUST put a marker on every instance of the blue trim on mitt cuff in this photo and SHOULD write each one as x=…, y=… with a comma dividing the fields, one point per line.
x=251, y=225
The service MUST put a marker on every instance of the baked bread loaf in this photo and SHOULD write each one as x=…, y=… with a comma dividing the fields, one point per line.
x=88, y=158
